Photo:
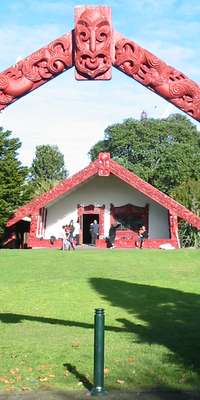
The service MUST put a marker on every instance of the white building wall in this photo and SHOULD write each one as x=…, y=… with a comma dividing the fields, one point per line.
x=105, y=190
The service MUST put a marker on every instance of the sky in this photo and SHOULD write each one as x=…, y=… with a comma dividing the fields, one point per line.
x=74, y=115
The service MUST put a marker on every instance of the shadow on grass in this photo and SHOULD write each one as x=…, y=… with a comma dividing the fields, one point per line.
x=80, y=377
x=9, y=318
x=172, y=317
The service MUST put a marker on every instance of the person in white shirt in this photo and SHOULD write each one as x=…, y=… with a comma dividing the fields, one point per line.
x=76, y=232
x=65, y=240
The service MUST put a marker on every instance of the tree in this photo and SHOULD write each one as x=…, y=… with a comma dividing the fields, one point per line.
x=164, y=152
x=47, y=168
x=14, y=190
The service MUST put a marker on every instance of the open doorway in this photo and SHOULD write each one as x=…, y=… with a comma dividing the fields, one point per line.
x=87, y=220
x=22, y=229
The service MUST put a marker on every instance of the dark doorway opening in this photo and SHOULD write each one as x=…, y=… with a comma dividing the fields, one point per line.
x=87, y=220
x=22, y=230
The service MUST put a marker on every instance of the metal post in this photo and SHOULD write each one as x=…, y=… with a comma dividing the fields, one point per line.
x=98, y=389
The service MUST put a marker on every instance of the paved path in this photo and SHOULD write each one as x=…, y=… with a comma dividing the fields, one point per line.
x=113, y=395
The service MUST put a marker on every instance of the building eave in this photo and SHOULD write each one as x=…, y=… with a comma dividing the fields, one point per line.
x=104, y=166
x=150, y=191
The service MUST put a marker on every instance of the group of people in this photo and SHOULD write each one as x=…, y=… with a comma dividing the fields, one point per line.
x=70, y=235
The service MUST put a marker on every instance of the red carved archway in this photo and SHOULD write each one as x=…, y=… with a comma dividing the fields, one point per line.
x=93, y=47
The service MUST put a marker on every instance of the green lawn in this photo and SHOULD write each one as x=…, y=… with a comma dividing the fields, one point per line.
x=152, y=304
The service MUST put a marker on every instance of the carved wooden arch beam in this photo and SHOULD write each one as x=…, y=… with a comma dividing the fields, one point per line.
x=35, y=70
x=157, y=76
x=93, y=47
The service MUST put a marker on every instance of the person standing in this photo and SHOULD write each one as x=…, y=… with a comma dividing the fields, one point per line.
x=142, y=234
x=76, y=233
x=112, y=235
x=71, y=235
x=94, y=232
x=63, y=237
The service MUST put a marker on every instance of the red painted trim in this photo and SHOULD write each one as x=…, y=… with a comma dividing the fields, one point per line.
x=130, y=243
x=101, y=243
x=44, y=243
x=173, y=226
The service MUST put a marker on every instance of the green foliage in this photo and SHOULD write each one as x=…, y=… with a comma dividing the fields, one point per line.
x=164, y=152
x=189, y=236
x=14, y=190
x=43, y=186
x=47, y=169
x=188, y=194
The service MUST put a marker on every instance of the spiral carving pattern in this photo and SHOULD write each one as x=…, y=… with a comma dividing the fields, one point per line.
x=155, y=74
x=35, y=70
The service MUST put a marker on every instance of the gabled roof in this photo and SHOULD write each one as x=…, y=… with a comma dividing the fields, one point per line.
x=105, y=166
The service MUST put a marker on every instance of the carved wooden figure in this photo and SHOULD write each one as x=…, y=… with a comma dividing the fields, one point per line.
x=93, y=41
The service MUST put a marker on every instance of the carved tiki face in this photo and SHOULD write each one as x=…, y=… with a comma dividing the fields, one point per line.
x=93, y=44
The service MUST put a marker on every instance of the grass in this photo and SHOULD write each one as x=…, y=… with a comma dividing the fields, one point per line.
x=152, y=304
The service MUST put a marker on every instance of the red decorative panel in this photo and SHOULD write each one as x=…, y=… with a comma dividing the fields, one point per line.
x=127, y=237
x=35, y=70
x=157, y=76
x=128, y=210
x=173, y=224
x=44, y=244
x=93, y=42
x=104, y=164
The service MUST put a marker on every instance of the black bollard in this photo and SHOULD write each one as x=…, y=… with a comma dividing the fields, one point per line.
x=98, y=389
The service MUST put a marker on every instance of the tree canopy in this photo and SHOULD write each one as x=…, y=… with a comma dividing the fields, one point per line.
x=47, y=169
x=14, y=190
x=164, y=152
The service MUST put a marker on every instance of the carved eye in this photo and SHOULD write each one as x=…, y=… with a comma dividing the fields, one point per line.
x=102, y=33
x=84, y=34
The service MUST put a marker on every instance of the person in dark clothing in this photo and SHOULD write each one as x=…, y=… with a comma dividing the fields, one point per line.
x=94, y=232
x=142, y=235
x=112, y=235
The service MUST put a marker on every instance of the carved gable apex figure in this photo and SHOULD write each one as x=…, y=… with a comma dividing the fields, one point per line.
x=93, y=39
x=104, y=164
